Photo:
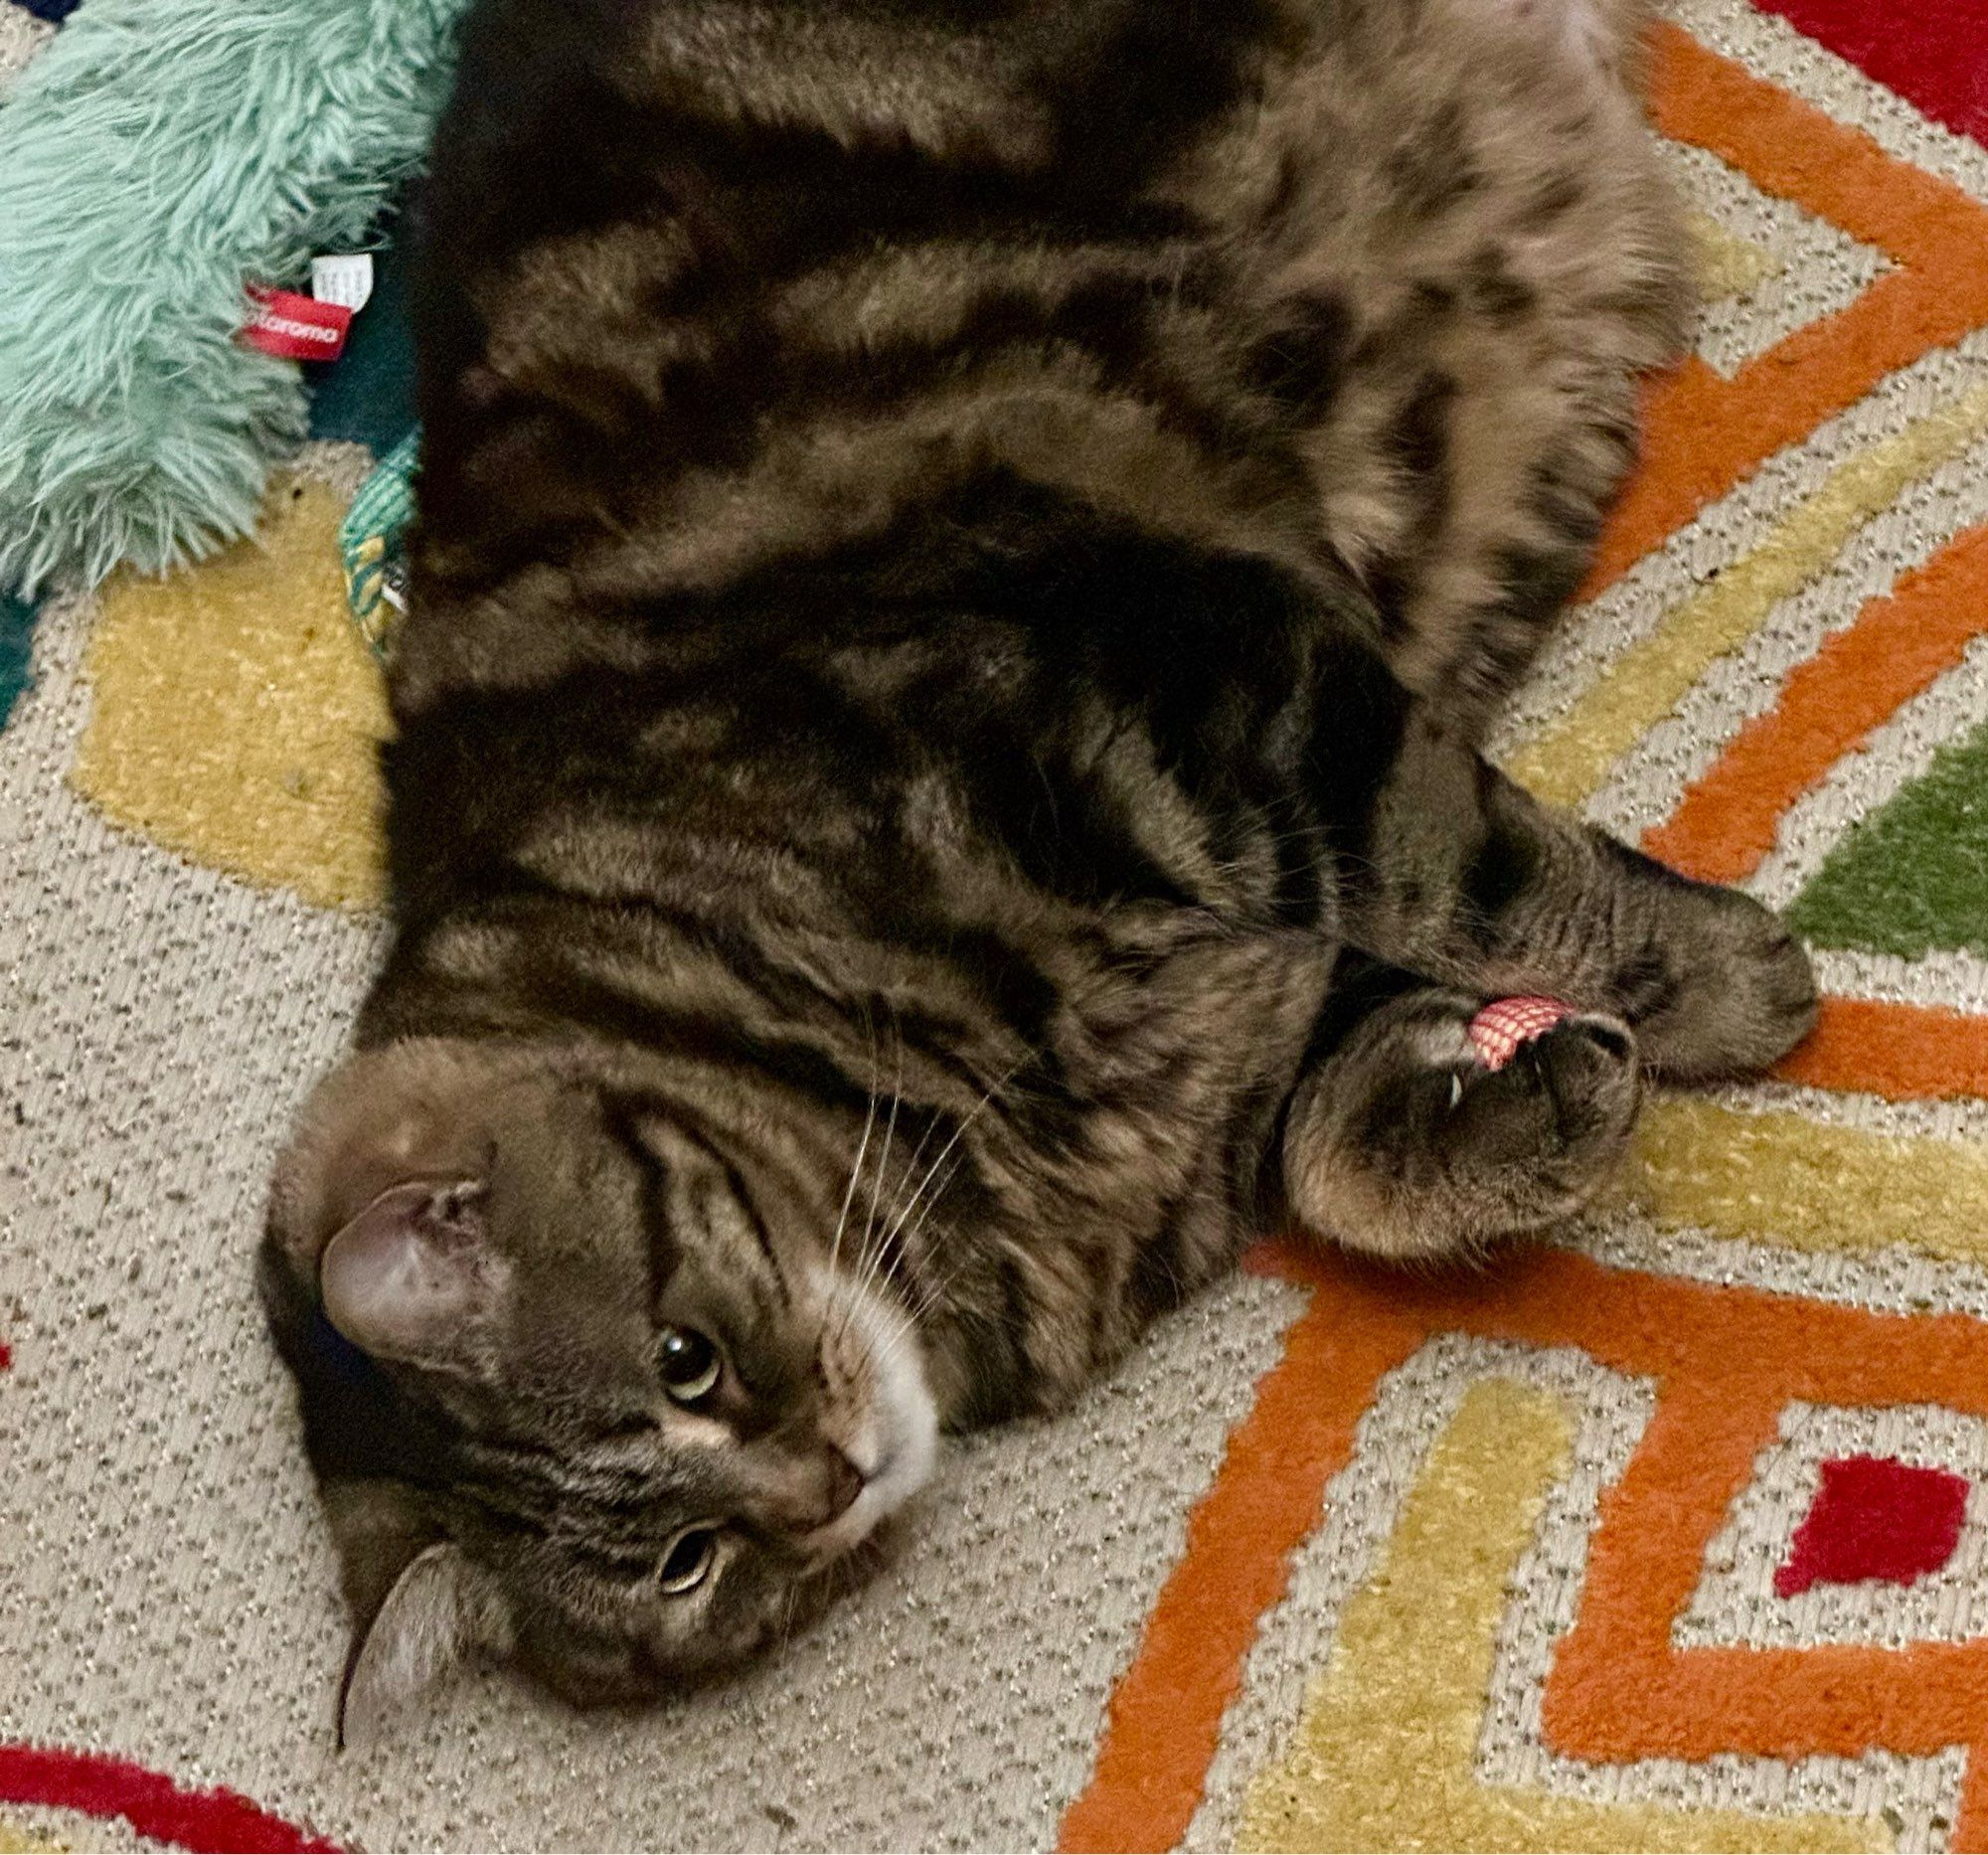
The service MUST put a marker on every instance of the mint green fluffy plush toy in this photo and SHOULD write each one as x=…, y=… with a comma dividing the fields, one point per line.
x=156, y=158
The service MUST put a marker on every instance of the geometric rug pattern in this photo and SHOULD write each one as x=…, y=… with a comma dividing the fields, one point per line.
x=1866, y=1720
x=1670, y=1532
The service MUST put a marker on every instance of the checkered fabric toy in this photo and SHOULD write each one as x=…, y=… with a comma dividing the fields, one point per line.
x=1506, y=1023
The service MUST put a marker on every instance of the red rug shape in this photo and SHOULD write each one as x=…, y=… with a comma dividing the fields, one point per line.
x=153, y=1804
x=1875, y=1518
x=1934, y=55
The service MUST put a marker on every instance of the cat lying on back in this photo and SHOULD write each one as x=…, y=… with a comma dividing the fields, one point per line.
x=966, y=551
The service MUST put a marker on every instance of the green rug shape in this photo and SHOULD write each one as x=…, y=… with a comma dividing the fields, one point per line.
x=1913, y=876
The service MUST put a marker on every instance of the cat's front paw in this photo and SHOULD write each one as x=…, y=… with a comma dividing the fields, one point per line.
x=1435, y=1152
x=1533, y=1138
x=1740, y=995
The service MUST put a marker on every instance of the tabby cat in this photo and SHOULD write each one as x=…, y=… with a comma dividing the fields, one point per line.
x=966, y=551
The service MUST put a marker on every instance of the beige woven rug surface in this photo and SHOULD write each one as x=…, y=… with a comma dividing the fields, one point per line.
x=1672, y=1534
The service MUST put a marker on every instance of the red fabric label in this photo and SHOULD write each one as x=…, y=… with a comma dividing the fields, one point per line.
x=298, y=328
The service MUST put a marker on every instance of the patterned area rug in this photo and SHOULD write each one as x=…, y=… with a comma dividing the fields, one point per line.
x=1671, y=1534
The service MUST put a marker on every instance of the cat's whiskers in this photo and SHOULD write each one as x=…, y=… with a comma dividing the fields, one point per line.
x=888, y=1353
x=862, y=1280
x=930, y=1291
x=859, y=1278
x=789, y=1610
x=844, y=1299
x=912, y=1310
x=973, y=1115
x=889, y=1136
x=855, y=1170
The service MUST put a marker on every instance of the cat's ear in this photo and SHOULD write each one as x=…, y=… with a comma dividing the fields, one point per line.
x=442, y=1612
x=414, y=1276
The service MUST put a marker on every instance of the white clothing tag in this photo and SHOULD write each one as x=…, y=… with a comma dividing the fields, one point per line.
x=344, y=280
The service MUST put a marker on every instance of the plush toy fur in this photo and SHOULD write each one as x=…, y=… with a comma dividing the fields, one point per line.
x=154, y=159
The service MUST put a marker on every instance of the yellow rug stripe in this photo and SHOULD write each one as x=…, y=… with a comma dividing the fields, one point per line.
x=234, y=712
x=1785, y=1179
x=1728, y=265
x=1566, y=762
x=1384, y=1749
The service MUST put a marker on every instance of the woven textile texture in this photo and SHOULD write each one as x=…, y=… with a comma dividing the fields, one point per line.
x=1669, y=1533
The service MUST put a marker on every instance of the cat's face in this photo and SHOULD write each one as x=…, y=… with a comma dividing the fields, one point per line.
x=588, y=1379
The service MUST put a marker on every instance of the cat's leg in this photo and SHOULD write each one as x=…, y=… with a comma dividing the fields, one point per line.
x=1402, y=1143
x=1457, y=873
x=1471, y=374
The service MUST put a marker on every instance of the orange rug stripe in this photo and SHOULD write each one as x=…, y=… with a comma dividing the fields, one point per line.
x=1164, y=1717
x=1970, y=1829
x=1898, y=645
x=1725, y=1360
x=1619, y=1690
x=1704, y=433
x=1904, y=1053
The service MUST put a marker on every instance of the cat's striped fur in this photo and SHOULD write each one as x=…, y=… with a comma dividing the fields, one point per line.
x=966, y=548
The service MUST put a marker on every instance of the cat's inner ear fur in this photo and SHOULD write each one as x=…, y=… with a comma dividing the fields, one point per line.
x=442, y=1613
x=414, y=1276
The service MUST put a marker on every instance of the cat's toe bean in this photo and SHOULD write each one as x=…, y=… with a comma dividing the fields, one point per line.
x=1588, y=1063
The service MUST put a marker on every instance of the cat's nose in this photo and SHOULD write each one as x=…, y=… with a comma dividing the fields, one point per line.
x=818, y=1490
x=843, y=1483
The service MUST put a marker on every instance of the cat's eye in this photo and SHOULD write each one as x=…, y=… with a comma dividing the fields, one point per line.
x=690, y=1363
x=689, y=1560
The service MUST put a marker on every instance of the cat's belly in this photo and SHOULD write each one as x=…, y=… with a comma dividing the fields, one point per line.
x=1452, y=229
x=1593, y=35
